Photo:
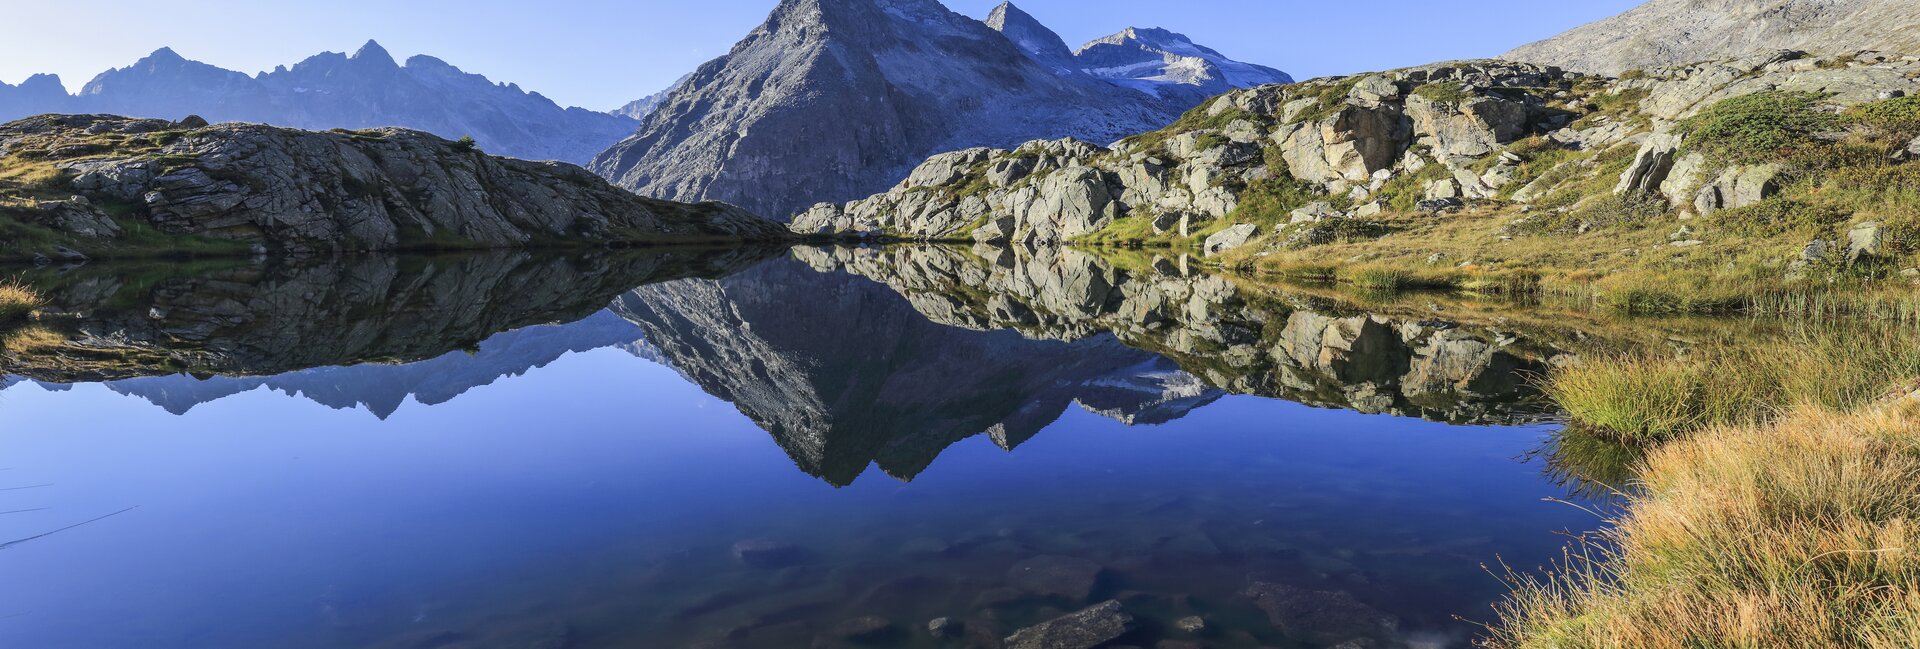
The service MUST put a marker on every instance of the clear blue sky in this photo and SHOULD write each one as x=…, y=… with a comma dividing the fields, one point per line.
x=602, y=53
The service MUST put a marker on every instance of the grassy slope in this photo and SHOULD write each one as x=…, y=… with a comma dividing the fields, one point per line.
x=1577, y=237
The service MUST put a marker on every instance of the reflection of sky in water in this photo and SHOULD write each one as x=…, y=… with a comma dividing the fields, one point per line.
x=265, y=519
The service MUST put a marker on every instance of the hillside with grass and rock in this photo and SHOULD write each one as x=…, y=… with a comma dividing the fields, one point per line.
x=1769, y=167
x=79, y=186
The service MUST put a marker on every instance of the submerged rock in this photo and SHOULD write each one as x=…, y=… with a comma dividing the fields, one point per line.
x=866, y=628
x=1069, y=577
x=1320, y=616
x=1086, y=629
x=766, y=553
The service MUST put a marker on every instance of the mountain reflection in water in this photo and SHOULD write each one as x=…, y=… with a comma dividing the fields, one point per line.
x=1281, y=524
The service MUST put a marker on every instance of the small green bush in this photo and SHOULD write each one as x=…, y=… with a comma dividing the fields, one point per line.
x=1269, y=201
x=1898, y=119
x=1777, y=216
x=1757, y=128
x=1451, y=93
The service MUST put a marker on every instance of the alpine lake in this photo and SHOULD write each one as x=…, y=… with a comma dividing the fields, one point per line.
x=910, y=446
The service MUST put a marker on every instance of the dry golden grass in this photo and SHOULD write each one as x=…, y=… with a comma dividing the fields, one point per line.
x=17, y=301
x=30, y=339
x=1801, y=533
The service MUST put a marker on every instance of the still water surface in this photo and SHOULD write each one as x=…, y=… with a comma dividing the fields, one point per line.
x=809, y=449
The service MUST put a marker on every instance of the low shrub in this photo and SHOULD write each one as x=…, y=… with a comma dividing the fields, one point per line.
x=1778, y=216
x=1757, y=128
x=1895, y=119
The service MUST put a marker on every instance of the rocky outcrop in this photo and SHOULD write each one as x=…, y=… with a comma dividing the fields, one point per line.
x=1343, y=136
x=830, y=100
x=301, y=191
x=1435, y=138
x=1670, y=32
x=367, y=89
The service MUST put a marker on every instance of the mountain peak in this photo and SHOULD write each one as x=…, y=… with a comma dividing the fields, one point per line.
x=1033, y=38
x=1156, y=61
x=372, y=52
x=164, y=54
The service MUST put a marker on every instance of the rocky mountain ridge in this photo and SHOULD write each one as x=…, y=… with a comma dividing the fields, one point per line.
x=1334, y=159
x=837, y=98
x=367, y=89
x=1672, y=32
x=96, y=179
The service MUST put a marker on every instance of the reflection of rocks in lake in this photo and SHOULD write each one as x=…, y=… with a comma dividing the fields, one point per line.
x=383, y=388
x=844, y=373
x=252, y=320
x=1237, y=339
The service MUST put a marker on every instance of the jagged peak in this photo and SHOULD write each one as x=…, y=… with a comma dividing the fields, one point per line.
x=372, y=52
x=164, y=54
x=998, y=18
x=424, y=62
x=1030, y=35
x=44, y=79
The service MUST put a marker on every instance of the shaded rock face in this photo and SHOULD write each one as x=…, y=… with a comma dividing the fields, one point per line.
x=845, y=373
x=270, y=320
x=304, y=191
x=365, y=90
x=1308, y=351
x=834, y=99
x=1670, y=32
